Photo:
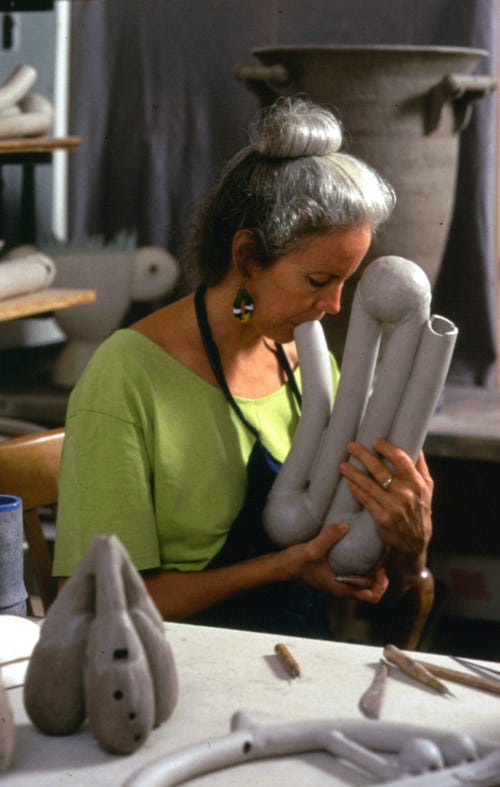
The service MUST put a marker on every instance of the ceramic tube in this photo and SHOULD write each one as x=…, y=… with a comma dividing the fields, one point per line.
x=36, y=117
x=25, y=274
x=287, y=499
x=360, y=739
x=16, y=86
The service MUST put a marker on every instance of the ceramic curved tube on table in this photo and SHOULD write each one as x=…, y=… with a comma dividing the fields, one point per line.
x=394, y=398
x=442, y=758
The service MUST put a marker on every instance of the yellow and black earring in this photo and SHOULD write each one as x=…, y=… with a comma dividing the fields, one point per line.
x=243, y=305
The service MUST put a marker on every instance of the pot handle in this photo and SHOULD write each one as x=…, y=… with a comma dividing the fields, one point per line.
x=263, y=80
x=462, y=90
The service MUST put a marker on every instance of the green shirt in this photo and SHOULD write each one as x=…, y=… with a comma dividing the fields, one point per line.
x=154, y=454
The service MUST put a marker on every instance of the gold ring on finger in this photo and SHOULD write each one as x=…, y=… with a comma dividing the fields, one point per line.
x=386, y=484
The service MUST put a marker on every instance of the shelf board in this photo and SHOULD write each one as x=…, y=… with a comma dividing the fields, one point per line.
x=43, y=301
x=38, y=144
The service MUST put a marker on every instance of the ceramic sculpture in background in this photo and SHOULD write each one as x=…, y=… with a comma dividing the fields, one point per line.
x=120, y=273
x=24, y=270
x=23, y=114
x=102, y=655
x=392, y=399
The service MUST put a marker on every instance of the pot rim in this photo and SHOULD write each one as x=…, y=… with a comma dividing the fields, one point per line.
x=383, y=48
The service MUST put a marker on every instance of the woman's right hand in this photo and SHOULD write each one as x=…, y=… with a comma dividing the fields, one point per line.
x=308, y=563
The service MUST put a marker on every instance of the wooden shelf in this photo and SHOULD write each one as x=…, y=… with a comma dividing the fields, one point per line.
x=43, y=301
x=38, y=144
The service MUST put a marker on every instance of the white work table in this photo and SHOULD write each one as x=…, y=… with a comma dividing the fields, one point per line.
x=223, y=671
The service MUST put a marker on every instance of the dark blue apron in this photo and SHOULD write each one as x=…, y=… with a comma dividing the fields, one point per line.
x=281, y=607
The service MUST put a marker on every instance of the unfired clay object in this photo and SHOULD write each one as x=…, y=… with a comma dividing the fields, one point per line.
x=27, y=273
x=7, y=729
x=102, y=654
x=23, y=114
x=395, y=400
x=421, y=757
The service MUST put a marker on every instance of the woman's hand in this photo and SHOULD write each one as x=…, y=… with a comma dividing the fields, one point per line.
x=308, y=563
x=401, y=508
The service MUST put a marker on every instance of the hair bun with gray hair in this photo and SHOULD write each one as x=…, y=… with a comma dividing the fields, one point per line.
x=293, y=128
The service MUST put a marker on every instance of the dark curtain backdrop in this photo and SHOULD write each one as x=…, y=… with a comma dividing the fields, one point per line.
x=154, y=96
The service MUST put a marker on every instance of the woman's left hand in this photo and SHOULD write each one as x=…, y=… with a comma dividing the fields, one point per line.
x=397, y=494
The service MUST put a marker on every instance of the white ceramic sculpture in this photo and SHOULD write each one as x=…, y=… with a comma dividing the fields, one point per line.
x=420, y=756
x=23, y=114
x=119, y=277
x=25, y=272
x=394, y=400
x=103, y=655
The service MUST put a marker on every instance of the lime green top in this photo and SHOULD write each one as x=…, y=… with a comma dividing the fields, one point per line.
x=155, y=454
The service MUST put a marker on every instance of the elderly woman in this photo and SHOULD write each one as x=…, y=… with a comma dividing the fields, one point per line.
x=179, y=424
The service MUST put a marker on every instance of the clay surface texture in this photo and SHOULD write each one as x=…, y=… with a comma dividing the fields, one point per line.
x=102, y=655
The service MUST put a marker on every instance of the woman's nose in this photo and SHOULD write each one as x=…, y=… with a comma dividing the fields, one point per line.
x=329, y=300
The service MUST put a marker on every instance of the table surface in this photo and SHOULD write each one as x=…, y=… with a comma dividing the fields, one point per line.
x=467, y=425
x=223, y=671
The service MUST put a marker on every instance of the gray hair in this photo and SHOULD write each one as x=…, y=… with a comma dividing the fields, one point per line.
x=290, y=182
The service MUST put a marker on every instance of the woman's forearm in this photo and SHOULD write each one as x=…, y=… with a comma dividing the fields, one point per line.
x=178, y=594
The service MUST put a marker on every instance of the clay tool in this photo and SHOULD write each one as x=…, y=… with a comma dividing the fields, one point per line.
x=371, y=700
x=414, y=670
x=355, y=580
x=488, y=672
x=466, y=679
x=287, y=660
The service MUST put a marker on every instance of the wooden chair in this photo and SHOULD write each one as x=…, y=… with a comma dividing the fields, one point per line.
x=29, y=467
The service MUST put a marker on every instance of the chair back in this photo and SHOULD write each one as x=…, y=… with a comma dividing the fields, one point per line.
x=29, y=468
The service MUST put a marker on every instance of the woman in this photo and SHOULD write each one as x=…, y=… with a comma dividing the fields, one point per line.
x=178, y=425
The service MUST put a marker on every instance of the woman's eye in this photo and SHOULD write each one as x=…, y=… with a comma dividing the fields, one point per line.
x=315, y=283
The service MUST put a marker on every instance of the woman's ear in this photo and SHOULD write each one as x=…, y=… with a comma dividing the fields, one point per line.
x=245, y=252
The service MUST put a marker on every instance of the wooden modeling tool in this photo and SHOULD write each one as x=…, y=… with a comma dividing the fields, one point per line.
x=414, y=669
x=371, y=700
x=465, y=678
x=287, y=660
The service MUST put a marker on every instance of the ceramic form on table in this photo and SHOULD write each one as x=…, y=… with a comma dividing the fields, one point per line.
x=13, y=593
x=18, y=637
x=396, y=403
x=23, y=114
x=7, y=729
x=102, y=654
x=419, y=756
x=119, y=277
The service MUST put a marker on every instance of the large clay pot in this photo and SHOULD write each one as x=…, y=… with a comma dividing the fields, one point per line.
x=402, y=108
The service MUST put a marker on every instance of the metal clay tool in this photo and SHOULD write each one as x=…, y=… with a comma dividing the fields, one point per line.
x=488, y=672
x=355, y=580
x=371, y=700
x=414, y=670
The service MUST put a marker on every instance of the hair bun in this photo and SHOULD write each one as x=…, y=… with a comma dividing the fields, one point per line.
x=292, y=128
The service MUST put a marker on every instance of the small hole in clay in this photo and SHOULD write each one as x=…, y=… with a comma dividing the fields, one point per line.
x=247, y=746
x=132, y=716
x=120, y=653
x=118, y=695
x=137, y=738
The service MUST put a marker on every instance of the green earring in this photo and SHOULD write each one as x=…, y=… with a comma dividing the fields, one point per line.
x=243, y=305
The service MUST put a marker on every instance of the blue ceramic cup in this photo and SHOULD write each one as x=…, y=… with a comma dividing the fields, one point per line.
x=12, y=590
